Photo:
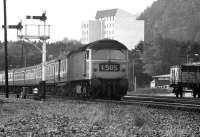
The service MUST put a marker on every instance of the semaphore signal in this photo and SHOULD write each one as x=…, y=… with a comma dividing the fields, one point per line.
x=43, y=37
x=42, y=18
x=18, y=26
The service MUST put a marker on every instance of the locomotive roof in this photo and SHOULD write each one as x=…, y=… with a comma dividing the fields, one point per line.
x=106, y=44
x=101, y=44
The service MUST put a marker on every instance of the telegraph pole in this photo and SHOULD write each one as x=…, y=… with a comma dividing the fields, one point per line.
x=6, y=51
x=19, y=26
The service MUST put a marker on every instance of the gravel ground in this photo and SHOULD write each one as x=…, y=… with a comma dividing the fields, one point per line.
x=68, y=118
x=151, y=91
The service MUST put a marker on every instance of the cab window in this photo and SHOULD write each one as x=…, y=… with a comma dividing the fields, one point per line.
x=106, y=54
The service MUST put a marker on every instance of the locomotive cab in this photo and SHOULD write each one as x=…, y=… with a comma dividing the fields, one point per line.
x=107, y=69
x=108, y=64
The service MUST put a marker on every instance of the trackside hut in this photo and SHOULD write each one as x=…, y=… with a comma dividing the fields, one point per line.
x=160, y=81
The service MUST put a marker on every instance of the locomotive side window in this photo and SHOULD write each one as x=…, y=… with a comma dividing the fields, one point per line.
x=56, y=68
x=106, y=54
x=87, y=54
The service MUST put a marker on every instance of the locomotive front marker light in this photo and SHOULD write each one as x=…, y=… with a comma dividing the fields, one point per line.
x=35, y=91
x=123, y=68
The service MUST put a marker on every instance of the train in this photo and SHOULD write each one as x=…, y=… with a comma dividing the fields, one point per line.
x=98, y=70
x=185, y=78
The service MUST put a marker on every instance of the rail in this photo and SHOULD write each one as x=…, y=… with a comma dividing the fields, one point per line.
x=147, y=101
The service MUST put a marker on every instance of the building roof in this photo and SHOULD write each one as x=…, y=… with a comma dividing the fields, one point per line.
x=106, y=13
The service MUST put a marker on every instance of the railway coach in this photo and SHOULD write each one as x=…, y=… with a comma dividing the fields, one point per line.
x=98, y=69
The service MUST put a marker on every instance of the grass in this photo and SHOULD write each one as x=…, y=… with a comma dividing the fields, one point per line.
x=22, y=118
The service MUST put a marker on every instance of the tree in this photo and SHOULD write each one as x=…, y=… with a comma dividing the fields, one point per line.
x=32, y=55
x=163, y=53
x=143, y=79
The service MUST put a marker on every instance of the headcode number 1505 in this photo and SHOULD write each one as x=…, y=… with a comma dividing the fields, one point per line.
x=109, y=67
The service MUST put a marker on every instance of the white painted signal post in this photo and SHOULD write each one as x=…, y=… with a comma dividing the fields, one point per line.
x=40, y=35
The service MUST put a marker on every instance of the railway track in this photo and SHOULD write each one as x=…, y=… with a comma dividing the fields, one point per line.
x=152, y=101
x=187, y=104
x=164, y=99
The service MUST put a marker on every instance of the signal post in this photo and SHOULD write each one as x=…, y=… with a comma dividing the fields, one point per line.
x=42, y=37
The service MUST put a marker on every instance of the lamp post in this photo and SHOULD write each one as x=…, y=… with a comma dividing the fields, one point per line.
x=134, y=77
x=6, y=51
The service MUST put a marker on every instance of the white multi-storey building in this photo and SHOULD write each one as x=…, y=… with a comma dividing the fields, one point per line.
x=90, y=31
x=114, y=24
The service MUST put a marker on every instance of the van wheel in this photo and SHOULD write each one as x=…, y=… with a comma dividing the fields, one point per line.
x=194, y=95
x=176, y=94
x=181, y=94
x=176, y=91
x=198, y=95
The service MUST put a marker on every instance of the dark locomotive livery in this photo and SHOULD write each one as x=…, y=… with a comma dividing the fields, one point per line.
x=98, y=69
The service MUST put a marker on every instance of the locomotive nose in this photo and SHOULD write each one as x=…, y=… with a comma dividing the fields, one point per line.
x=123, y=83
x=96, y=83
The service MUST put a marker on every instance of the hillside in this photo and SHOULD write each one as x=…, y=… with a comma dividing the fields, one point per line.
x=173, y=19
x=31, y=55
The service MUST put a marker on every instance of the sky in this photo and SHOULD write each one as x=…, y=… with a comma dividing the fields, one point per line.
x=64, y=16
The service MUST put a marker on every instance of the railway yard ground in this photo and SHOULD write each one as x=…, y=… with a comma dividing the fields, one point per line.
x=77, y=118
x=152, y=92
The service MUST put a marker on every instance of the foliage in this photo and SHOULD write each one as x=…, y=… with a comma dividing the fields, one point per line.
x=174, y=19
x=172, y=35
x=163, y=53
x=136, y=61
x=30, y=55
x=158, y=57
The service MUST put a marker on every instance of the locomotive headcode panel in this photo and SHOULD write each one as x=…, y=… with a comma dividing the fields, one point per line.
x=109, y=63
x=106, y=67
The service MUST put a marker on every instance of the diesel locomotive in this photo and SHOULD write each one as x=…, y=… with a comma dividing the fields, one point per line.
x=98, y=69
